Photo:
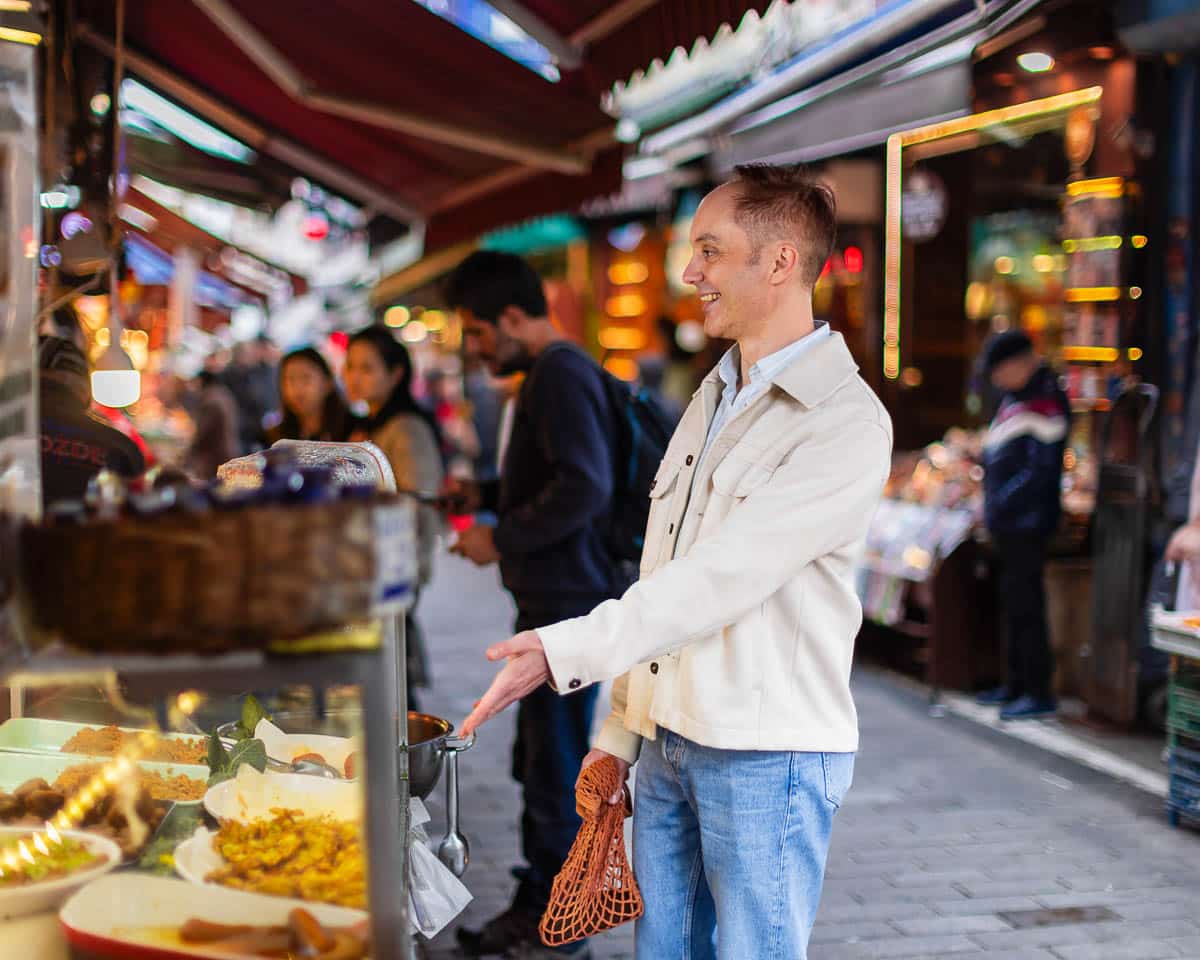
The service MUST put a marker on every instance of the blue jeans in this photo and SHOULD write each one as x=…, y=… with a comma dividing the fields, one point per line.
x=729, y=848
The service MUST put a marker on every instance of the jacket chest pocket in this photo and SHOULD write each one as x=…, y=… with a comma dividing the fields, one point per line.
x=738, y=476
x=662, y=501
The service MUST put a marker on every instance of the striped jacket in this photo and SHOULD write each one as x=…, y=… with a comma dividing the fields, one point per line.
x=1022, y=458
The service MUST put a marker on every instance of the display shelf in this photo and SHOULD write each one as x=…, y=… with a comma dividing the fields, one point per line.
x=380, y=677
x=220, y=673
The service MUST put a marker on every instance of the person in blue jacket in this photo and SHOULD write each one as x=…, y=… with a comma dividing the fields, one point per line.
x=1022, y=490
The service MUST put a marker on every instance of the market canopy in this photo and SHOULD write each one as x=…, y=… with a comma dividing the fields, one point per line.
x=405, y=112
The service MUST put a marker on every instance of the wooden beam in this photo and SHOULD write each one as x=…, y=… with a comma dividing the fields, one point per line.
x=609, y=21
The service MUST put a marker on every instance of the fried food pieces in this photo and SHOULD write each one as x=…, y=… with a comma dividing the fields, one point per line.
x=291, y=855
x=35, y=801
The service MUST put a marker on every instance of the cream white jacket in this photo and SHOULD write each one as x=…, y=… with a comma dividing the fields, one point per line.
x=740, y=633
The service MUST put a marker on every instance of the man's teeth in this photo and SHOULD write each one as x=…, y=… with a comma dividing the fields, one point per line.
x=710, y=297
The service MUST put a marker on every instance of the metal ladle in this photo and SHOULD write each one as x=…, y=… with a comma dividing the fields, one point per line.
x=312, y=768
x=454, y=851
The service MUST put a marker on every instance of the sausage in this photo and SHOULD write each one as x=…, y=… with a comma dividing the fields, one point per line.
x=350, y=765
x=310, y=757
x=346, y=947
x=308, y=936
x=202, y=931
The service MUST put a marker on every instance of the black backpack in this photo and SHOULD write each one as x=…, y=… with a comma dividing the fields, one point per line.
x=643, y=431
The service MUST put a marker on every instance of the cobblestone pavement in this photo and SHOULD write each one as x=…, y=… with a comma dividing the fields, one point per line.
x=955, y=840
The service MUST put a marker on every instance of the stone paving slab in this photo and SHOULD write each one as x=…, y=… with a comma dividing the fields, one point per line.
x=948, y=826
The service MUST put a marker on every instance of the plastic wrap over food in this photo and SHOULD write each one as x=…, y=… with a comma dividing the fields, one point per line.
x=353, y=464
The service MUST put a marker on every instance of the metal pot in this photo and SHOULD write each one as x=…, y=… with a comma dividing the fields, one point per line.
x=430, y=742
x=427, y=736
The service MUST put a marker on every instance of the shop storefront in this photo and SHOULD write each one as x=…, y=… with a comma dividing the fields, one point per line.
x=1032, y=213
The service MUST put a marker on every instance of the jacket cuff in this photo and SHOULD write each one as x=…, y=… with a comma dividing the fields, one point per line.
x=615, y=739
x=568, y=666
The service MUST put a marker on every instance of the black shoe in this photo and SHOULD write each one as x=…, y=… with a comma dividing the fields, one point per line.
x=514, y=928
x=1028, y=708
x=996, y=698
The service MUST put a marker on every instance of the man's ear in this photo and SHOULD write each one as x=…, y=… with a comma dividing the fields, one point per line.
x=784, y=262
x=512, y=320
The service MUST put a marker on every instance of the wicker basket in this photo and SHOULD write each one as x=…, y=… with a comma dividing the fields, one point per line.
x=217, y=581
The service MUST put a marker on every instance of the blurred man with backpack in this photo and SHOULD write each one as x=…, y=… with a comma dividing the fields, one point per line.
x=567, y=538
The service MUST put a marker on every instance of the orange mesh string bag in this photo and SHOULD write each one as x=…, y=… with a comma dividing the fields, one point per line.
x=595, y=890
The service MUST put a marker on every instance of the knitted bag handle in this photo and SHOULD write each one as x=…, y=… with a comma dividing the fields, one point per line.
x=595, y=890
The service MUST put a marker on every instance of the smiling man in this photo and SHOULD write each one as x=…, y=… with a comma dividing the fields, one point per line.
x=732, y=653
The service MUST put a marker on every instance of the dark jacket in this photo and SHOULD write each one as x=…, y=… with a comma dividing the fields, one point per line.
x=1022, y=458
x=77, y=444
x=556, y=488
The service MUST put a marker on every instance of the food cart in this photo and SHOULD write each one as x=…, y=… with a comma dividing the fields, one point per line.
x=171, y=613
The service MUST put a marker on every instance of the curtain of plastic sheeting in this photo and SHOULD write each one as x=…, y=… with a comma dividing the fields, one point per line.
x=20, y=480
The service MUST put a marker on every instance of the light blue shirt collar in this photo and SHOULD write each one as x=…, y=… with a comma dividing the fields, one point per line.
x=764, y=372
x=762, y=375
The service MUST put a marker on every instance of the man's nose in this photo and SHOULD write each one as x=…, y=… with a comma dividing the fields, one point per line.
x=692, y=273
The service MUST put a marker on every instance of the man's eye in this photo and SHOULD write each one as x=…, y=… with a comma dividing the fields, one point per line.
x=708, y=253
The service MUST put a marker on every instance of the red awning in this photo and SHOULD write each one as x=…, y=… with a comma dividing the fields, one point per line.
x=387, y=102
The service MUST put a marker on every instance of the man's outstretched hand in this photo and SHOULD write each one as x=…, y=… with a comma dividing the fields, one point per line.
x=526, y=670
x=595, y=755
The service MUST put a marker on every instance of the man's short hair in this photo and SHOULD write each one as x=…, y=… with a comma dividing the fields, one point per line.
x=488, y=282
x=786, y=202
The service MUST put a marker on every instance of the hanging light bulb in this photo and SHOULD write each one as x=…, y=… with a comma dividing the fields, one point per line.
x=115, y=383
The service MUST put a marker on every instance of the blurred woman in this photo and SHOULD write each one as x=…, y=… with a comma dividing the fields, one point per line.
x=312, y=404
x=379, y=374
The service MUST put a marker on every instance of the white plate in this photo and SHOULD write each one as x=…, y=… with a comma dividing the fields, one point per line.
x=196, y=857
x=106, y=917
x=252, y=795
x=49, y=894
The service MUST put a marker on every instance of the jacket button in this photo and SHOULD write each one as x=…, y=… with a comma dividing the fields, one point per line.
x=654, y=668
x=574, y=684
x=689, y=460
x=652, y=483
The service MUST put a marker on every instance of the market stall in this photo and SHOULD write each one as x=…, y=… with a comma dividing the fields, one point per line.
x=288, y=577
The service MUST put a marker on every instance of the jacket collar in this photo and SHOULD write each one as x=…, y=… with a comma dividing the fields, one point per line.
x=811, y=379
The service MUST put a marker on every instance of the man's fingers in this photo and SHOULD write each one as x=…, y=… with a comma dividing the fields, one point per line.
x=514, y=646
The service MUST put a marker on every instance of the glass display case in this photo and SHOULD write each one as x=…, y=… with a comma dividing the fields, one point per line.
x=177, y=776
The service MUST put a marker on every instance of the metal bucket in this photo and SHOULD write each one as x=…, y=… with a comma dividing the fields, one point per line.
x=429, y=743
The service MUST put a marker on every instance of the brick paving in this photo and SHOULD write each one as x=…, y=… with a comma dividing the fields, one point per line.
x=951, y=836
